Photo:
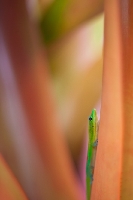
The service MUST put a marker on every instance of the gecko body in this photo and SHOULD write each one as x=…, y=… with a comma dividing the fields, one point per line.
x=92, y=148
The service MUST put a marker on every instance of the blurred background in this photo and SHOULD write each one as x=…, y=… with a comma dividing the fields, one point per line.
x=51, y=78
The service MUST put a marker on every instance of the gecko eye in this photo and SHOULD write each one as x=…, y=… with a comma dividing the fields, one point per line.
x=90, y=118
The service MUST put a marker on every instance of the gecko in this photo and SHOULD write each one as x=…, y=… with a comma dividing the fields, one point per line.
x=92, y=148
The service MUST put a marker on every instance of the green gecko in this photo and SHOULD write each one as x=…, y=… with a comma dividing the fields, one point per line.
x=92, y=148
